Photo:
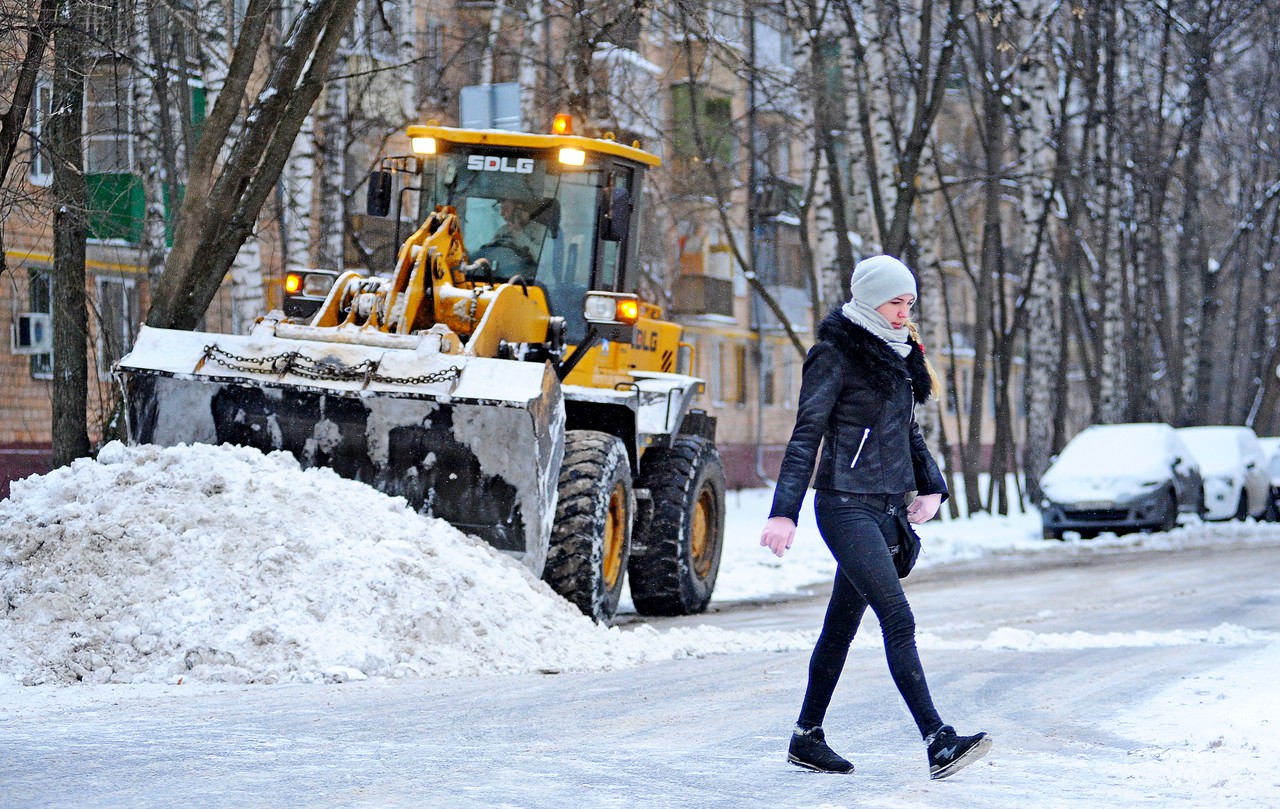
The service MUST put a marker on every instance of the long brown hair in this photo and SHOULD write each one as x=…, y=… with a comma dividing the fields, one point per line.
x=935, y=384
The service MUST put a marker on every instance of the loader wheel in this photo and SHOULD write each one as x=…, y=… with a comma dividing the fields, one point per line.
x=676, y=556
x=591, y=538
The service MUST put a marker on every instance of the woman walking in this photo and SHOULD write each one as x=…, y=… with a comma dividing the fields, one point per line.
x=859, y=388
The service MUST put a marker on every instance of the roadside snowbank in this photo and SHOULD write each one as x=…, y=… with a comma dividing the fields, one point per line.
x=748, y=571
x=220, y=564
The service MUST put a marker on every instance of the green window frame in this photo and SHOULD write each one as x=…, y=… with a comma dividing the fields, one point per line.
x=714, y=121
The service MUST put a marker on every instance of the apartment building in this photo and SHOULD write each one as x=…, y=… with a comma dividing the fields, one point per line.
x=714, y=96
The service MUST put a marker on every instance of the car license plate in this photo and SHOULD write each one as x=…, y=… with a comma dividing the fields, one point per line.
x=1094, y=504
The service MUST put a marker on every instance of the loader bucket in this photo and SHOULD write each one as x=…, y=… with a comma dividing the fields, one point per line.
x=474, y=441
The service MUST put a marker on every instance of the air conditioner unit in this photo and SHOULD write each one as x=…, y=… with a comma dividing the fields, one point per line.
x=32, y=333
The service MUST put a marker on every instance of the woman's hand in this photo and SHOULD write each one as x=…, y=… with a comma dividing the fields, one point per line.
x=778, y=533
x=923, y=508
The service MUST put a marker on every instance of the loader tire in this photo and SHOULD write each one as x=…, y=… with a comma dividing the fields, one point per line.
x=591, y=538
x=676, y=556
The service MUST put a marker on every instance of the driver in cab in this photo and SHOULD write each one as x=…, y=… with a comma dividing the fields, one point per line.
x=519, y=235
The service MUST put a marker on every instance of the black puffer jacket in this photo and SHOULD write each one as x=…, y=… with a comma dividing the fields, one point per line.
x=853, y=385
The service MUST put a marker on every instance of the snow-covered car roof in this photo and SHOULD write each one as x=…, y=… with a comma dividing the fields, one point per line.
x=1145, y=450
x=1219, y=449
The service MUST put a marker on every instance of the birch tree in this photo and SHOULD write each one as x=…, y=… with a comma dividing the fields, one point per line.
x=904, y=63
x=230, y=179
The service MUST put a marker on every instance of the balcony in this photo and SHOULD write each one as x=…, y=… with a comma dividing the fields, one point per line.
x=702, y=295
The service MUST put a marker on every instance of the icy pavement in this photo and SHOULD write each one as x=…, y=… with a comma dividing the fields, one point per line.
x=175, y=612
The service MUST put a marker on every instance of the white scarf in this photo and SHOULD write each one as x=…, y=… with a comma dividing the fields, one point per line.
x=871, y=320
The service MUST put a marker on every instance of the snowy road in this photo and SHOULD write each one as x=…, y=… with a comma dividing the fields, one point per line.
x=1127, y=679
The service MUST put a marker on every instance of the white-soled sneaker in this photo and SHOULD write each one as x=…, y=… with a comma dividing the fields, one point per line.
x=949, y=753
x=809, y=750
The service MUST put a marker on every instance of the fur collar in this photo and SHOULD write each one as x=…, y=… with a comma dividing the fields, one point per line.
x=871, y=358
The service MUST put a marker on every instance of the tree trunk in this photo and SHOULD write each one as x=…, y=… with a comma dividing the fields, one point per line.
x=1044, y=333
x=13, y=120
x=156, y=157
x=532, y=114
x=248, y=292
x=1199, y=304
x=1111, y=403
x=70, y=310
x=296, y=197
x=334, y=119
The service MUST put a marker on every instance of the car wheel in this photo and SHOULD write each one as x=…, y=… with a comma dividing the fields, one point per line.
x=1088, y=533
x=1272, y=513
x=1171, y=518
x=1049, y=533
x=1242, y=508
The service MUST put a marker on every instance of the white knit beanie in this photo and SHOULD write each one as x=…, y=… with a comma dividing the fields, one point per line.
x=879, y=279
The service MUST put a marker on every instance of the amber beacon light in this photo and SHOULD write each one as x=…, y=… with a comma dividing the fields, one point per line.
x=563, y=124
x=628, y=310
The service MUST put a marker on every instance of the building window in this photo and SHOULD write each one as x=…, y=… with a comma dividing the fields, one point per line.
x=788, y=378
x=634, y=101
x=714, y=362
x=740, y=372
x=40, y=299
x=116, y=196
x=40, y=171
x=780, y=257
x=106, y=25
x=767, y=394
x=696, y=113
x=108, y=141
x=119, y=313
x=774, y=47
x=429, y=68
x=724, y=21
x=953, y=393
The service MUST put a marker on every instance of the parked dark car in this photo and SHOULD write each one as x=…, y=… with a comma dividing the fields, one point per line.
x=1120, y=477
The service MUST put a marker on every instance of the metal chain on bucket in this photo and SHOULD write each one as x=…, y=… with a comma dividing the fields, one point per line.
x=295, y=362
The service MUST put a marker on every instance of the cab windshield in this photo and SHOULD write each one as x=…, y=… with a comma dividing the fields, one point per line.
x=526, y=220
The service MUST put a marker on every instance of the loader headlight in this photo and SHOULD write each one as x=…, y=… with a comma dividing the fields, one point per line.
x=573, y=157
x=611, y=308
x=424, y=145
x=313, y=282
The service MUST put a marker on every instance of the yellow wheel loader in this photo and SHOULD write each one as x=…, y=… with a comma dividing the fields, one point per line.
x=502, y=375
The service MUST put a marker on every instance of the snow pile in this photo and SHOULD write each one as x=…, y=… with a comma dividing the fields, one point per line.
x=222, y=564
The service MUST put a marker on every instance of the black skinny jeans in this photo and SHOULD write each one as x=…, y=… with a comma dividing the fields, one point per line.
x=855, y=531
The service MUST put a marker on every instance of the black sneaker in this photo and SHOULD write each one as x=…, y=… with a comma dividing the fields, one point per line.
x=949, y=753
x=809, y=750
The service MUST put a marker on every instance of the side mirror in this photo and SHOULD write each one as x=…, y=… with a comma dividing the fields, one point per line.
x=378, y=196
x=617, y=215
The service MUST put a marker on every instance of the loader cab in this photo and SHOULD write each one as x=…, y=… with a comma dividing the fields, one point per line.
x=558, y=211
